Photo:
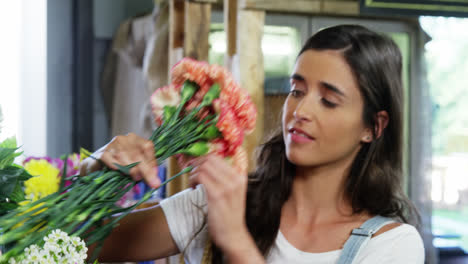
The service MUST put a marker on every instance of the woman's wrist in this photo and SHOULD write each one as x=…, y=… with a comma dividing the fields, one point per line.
x=91, y=164
x=243, y=250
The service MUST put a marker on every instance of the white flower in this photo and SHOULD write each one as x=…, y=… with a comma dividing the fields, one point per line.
x=58, y=248
x=33, y=256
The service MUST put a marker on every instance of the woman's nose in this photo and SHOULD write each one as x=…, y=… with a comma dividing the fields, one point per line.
x=303, y=111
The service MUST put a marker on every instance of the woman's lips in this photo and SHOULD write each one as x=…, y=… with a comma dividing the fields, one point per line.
x=299, y=136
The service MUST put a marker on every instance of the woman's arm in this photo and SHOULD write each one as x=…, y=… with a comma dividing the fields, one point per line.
x=142, y=235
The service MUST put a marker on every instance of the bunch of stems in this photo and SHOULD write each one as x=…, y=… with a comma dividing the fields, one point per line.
x=87, y=208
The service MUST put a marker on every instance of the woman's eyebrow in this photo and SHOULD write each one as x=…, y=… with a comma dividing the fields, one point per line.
x=297, y=77
x=332, y=88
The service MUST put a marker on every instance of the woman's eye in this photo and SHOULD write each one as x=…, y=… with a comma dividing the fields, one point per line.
x=328, y=104
x=296, y=93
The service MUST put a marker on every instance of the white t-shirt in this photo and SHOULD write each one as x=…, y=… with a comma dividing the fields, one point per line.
x=185, y=212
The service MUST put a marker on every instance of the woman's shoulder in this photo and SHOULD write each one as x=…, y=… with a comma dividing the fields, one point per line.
x=185, y=214
x=193, y=196
x=397, y=231
x=400, y=244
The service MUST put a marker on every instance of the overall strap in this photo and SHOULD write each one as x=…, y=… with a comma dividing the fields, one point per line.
x=360, y=237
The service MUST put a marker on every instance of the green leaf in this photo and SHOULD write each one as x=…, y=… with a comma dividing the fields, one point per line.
x=10, y=176
x=9, y=143
x=5, y=207
x=8, y=152
x=7, y=156
x=24, y=174
x=18, y=193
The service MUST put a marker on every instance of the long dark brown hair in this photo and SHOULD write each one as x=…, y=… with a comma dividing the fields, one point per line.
x=374, y=184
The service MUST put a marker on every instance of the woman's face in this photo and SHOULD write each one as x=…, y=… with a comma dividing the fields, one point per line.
x=322, y=115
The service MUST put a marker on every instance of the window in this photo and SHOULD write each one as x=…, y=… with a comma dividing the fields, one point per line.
x=23, y=71
x=447, y=66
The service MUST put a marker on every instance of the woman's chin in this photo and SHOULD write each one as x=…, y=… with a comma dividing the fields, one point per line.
x=298, y=160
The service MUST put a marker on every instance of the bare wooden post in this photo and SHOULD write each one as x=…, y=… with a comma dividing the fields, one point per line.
x=189, y=29
x=176, y=49
x=197, y=30
x=250, y=25
x=176, y=31
x=230, y=26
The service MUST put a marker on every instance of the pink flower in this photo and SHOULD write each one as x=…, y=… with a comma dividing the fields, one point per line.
x=190, y=69
x=247, y=114
x=228, y=125
x=219, y=146
x=167, y=95
x=240, y=101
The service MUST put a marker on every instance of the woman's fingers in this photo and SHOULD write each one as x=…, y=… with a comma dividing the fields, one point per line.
x=129, y=149
x=225, y=190
x=148, y=166
x=214, y=169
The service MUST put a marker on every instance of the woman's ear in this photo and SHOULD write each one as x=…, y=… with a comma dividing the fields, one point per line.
x=381, y=122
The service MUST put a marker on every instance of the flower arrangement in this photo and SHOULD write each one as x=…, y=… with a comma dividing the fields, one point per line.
x=203, y=110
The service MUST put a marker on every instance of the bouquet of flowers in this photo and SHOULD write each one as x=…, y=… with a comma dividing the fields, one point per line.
x=203, y=110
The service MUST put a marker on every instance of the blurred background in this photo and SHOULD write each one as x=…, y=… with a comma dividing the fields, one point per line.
x=75, y=73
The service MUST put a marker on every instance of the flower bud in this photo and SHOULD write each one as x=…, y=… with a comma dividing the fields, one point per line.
x=212, y=94
x=210, y=133
x=196, y=149
x=188, y=90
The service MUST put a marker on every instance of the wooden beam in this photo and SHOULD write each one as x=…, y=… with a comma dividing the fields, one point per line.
x=176, y=31
x=189, y=30
x=230, y=26
x=208, y=1
x=340, y=7
x=296, y=6
x=197, y=30
x=176, y=48
x=249, y=65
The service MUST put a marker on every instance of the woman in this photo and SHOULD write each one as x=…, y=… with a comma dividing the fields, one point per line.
x=334, y=167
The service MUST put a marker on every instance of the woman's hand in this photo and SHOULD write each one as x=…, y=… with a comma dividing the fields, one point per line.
x=125, y=150
x=226, y=191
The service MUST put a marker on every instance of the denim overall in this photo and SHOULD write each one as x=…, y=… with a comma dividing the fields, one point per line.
x=360, y=237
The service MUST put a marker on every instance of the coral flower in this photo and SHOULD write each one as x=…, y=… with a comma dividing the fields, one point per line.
x=190, y=69
x=228, y=126
x=164, y=96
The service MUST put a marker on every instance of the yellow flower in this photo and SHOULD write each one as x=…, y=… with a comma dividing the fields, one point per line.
x=84, y=153
x=45, y=180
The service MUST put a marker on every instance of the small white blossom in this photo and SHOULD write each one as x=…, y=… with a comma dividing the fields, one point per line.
x=58, y=248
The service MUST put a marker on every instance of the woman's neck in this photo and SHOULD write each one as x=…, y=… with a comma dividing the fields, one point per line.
x=318, y=194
